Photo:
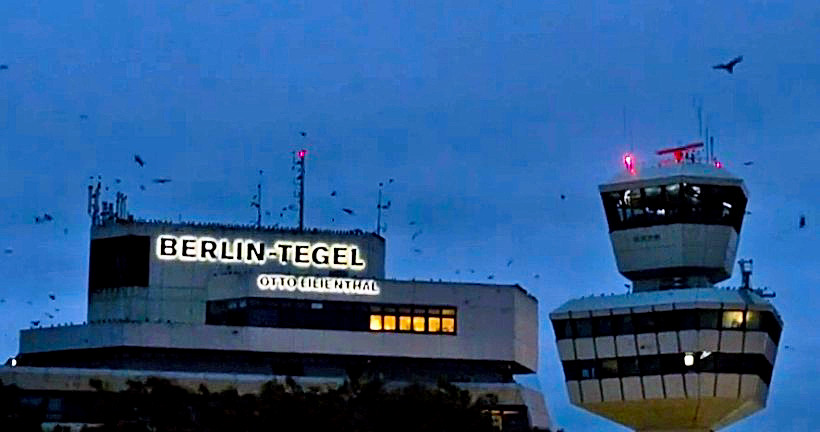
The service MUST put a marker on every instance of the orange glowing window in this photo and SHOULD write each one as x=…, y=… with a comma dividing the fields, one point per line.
x=448, y=325
x=418, y=323
x=404, y=323
x=375, y=322
x=434, y=324
x=390, y=322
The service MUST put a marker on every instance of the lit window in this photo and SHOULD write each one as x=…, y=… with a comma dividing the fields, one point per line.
x=688, y=359
x=418, y=324
x=448, y=325
x=434, y=324
x=434, y=311
x=375, y=322
x=448, y=312
x=390, y=322
x=404, y=323
x=732, y=319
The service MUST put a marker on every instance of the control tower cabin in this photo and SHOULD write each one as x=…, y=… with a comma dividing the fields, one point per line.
x=677, y=353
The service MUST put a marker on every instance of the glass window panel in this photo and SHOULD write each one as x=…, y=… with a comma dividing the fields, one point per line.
x=404, y=310
x=752, y=320
x=563, y=329
x=448, y=325
x=650, y=365
x=732, y=319
x=623, y=324
x=433, y=311
x=709, y=319
x=405, y=323
x=448, y=311
x=603, y=326
x=687, y=319
x=609, y=368
x=390, y=322
x=419, y=311
x=375, y=322
x=646, y=323
x=628, y=366
x=376, y=308
x=583, y=327
x=390, y=310
x=434, y=324
x=418, y=323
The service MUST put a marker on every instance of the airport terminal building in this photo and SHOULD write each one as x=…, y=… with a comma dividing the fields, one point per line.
x=236, y=306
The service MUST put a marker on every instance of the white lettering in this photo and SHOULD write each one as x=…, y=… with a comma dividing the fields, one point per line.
x=317, y=284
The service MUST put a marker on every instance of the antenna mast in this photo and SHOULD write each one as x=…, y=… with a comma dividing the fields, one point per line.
x=300, y=182
x=379, y=213
x=258, y=202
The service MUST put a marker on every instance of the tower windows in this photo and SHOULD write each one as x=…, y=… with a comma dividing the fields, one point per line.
x=674, y=203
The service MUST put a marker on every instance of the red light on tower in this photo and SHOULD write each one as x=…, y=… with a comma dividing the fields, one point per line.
x=718, y=164
x=629, y=162
x=302, y=154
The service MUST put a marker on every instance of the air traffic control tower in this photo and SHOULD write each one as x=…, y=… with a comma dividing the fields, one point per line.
x=676, y=353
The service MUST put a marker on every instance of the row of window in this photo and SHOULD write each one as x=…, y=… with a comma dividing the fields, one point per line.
x=415, y=324
x=674, y=320
x=331, y=315
x=664, y=364
x=675, y=203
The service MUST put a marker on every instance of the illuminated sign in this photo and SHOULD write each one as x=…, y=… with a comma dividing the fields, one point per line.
x=317, y=284
x=300, y=254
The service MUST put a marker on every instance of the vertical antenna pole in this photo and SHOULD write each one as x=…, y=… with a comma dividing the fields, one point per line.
x=301, y=162
x=258, y=202
x=379, y=212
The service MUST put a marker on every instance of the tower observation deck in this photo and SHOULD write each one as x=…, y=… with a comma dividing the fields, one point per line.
x=677, y=353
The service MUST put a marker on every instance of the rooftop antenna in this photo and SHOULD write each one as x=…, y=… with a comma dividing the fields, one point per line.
x=94, y=202
x=257, y=202
x=301, y=155
x=379, y=213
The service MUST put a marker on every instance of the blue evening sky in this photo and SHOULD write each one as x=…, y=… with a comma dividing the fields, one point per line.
x=483, y=112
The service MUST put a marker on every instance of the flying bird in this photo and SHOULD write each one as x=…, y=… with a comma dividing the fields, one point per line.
x=472, y=270
x=50, y=316
x=142, y=187
x=563, y=196
x=43, y=219
x=83, y=117
x=117, y=181
x=491, y=277
x=8, y=251
x=412, y=223
x=333, y=193
x=747, y=163
x=729, y=66
x=4, y=67
x=415, y=234
x=303, y=133
x=418, y=251
x=509, y=262
x=802, y=223
x=348, y=211
x=139, y=160
x=458, y=271
x=52, y=296
x=35, y=323
x=537, y=276
x=386, y=206
x=161, y=180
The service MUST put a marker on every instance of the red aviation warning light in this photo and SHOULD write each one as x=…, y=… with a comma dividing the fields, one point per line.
x=302, y=153
x=629, y=162
x=718, y=164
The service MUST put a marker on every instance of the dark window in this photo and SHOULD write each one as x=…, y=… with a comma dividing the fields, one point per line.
x=628, y=366
x=709, y=319
x=646, y=322
x=119, y=262
x=687, y=319
x=602, y=326
x=563, y=329
x=583, y=327
x=650, y=365
x=622, y=324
